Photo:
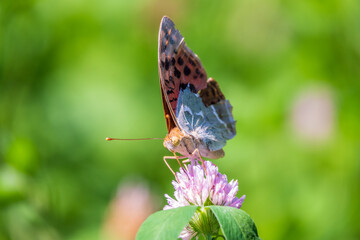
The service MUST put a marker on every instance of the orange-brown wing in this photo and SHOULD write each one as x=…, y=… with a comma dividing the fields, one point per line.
x=179, y=67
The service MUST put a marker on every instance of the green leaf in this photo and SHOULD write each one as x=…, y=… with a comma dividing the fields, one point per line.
x=235, y=223
x=166, y=224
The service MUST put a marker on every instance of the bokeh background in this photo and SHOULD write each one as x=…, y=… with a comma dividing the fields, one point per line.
x=75, y=72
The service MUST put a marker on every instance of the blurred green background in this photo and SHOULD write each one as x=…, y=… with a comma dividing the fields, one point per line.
x=75, y=72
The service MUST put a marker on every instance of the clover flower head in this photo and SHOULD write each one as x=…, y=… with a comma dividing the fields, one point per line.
x=194, y=187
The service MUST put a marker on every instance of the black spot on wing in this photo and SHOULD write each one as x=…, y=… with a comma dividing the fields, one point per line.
x=187, y=71
x=192, y=88
x=183, y=86
x=192, y=62
x=180, y=61
x=166, y=64
x=177, y=73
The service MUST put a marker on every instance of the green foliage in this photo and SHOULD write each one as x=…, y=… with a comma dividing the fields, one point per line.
x=166, y=224
x=235, y=223
x=204, y=223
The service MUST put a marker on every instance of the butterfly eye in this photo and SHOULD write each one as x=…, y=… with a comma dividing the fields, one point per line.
x=175, y=141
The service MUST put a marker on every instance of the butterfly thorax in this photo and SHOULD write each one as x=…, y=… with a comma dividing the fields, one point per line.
x=186, y=144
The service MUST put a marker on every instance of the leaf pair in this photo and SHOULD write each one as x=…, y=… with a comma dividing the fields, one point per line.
x=167, y=224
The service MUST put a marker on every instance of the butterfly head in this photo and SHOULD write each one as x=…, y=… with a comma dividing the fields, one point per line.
x=173, y=139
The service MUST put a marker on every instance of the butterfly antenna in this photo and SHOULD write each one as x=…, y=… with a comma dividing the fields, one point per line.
x=131, y=139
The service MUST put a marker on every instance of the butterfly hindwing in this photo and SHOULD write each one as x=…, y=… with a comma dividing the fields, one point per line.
x=213, y=123
x=178, y=65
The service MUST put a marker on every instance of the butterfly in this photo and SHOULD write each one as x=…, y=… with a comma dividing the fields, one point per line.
x=198, y=117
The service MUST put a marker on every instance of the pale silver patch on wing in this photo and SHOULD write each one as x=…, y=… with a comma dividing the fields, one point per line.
x=205, y=123
x=195, y=126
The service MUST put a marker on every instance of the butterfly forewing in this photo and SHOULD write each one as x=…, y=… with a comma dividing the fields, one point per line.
x=179, y=68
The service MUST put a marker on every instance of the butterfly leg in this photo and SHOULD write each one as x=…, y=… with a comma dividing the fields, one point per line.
x=177, y=158
x=186, y=161
x=167, y=164
x=197, y=152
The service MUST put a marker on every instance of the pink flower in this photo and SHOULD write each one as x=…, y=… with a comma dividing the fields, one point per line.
x=194, y=187
x=313, y=114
